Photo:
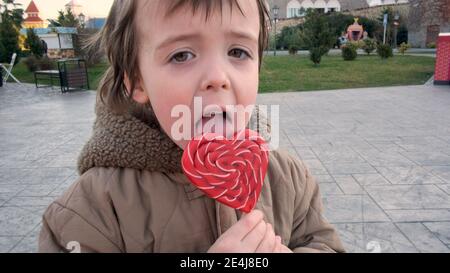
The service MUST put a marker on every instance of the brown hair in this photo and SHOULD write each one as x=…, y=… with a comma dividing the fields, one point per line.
x=118, y=39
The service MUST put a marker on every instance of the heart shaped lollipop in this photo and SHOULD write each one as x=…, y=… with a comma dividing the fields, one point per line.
x=231, y=171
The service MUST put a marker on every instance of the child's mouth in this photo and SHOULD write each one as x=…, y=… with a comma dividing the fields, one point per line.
x=218, y=123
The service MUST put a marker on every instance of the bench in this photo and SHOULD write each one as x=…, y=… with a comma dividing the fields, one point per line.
x=49, y=75
x=71, y=74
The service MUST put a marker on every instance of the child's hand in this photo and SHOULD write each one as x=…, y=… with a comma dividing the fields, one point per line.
x=249, y=234
x=285, y=249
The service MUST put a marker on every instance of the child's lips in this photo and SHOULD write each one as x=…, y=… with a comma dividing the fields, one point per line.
x=216, y=124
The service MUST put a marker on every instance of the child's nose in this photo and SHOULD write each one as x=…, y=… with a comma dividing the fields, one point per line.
x=215, y=79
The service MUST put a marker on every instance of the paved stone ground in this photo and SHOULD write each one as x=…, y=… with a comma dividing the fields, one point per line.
x=381, y=156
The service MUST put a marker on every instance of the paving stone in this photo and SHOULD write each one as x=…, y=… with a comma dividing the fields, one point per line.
x=423, y=239
x=441, y=230
x=418, y=215
x=352, y=209
x=409, y=197
x=16, y=221
x=409, y=175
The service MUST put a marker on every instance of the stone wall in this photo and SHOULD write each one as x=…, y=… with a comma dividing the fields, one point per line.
x=287, y=23
x=344, y=5
x=374, y=12
x=427, y=19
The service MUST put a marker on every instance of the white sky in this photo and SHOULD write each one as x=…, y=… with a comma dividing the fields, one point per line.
x=49, y=8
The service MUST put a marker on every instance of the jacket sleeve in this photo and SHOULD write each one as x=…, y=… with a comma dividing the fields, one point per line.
x=81, y=220
x=311, y=231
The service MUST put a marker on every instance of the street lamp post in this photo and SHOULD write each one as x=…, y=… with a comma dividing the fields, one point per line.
x=396, y=24
x=82, y=18
x=385, y=23
x=275, y=10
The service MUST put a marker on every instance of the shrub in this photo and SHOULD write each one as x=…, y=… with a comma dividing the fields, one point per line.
x=349, y=52
x=431, y=45
x=293, y=49
x=317, y=35
x=290, y=36
x=315, y=55
x=32, y=63
x=46, y=64
x=357, y=44
x=384, y=51
x=403, y=48
x=369, y=45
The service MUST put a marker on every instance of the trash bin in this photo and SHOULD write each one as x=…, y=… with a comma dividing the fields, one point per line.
x=73, y=75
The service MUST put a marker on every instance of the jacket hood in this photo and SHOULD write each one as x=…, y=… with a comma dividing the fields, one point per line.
x=135, y=140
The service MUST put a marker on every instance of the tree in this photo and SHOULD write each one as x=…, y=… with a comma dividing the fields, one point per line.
x=317, y=35
x=340, y=22
x=12, y=11
x=371, y=26
x=10, y=24
x=390, y=26
x=34, y=43
x=9, y=40
x=65, y=19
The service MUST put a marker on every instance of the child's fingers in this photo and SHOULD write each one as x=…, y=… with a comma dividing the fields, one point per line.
x=285, y=249
x=269, y=241
x=245, y=225
x=251, y=242
x=278, y=244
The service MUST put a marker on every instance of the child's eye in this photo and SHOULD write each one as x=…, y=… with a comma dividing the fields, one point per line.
x=239, y=53
x=182, y=57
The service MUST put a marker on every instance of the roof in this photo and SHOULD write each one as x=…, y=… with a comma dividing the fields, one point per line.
x=59, y=30
x=33, y=19
x=32, y=7
x=353, y=4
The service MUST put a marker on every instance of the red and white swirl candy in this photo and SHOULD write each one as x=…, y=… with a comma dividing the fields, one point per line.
x=231, y=171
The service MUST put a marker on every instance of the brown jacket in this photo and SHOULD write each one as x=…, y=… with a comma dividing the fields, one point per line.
x=132, y=197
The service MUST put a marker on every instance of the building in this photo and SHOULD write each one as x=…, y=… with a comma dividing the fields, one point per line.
x=32, y=20
x=427, y=19
x=297, y=8
x=374, y=3
x=95, y=23
x=59, y=40
x=75, y=7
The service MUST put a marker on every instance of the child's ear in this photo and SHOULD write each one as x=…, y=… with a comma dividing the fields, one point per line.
x=139, y=93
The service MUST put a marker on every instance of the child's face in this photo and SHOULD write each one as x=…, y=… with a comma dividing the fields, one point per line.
x=182, y=57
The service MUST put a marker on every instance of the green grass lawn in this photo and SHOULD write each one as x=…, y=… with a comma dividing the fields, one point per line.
x=297, y=73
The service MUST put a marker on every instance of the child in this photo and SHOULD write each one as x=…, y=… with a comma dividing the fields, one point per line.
x=132, y=195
